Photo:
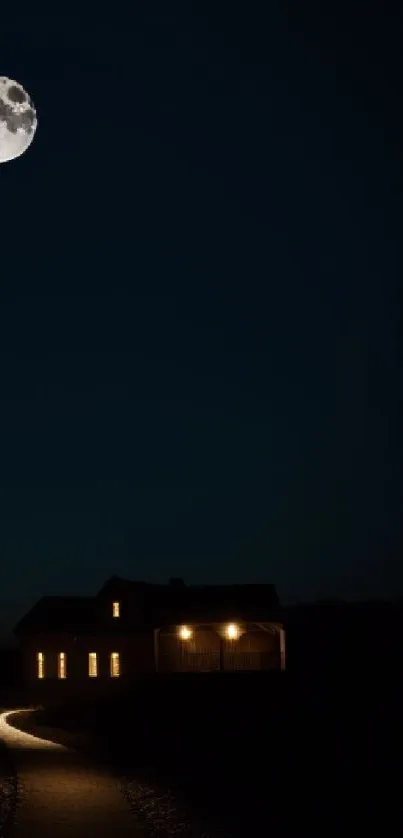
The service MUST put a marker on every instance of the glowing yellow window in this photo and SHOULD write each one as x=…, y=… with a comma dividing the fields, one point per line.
x=92, y=664
x=116, y=609
x=40, y=661
x=61, y=668
x=115, y=665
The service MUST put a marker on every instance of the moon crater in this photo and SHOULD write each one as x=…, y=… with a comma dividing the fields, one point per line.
x=16, y=94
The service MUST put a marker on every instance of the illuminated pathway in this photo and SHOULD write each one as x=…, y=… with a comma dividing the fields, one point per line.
x=61, y=793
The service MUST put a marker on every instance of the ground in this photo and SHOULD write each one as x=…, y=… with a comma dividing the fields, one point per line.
x=8, y=787
x=62, y=793
x=239, y=757
x=155, y=806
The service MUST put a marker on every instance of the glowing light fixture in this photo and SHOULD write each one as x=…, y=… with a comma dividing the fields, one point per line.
x=40, y=660
x=115, y=665
x=185, y=633
x=92, y=664
x=116, y=609
x=232, y=631
x=61, y=669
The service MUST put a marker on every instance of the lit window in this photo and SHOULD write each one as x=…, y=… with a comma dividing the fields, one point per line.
x=115, y=665
x=232, y=631
x=116, y=609
x=40, y=660
x=185, y=633
x=61, y=669
x=92, y=664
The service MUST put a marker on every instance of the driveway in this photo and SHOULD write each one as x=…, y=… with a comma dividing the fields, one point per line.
x=62, y=793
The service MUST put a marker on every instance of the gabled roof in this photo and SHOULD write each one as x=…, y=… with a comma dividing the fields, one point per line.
x=116, y=586
x=59, y=613
x=150, y=605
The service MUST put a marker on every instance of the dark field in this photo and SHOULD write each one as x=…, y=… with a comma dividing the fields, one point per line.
x=250, y=754
x=8, y=790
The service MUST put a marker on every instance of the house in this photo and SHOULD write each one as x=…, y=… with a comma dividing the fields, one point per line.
x=130, y=629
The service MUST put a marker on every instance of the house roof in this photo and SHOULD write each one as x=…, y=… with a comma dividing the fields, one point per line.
x=151, y=605
x=59, y=613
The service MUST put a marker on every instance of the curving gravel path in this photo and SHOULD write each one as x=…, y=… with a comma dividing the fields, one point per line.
x=157, y=808
x=61, y=793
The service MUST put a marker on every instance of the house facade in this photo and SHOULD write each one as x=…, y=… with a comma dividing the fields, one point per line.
x=132, y=629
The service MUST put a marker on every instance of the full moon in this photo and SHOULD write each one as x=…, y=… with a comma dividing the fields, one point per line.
x=18, y=120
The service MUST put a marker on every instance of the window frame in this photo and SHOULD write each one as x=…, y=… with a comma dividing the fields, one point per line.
x=93, y=664
x=114, y=665
x=40, y=666
x=62, y=666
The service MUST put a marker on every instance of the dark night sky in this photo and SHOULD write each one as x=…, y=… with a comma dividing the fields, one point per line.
x=198, y=301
